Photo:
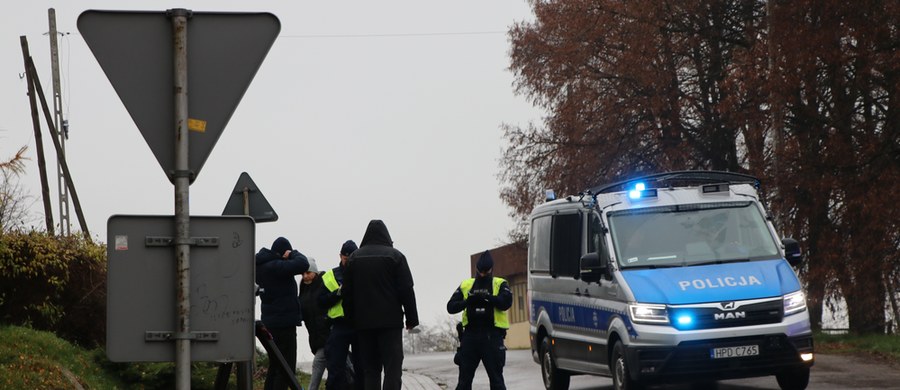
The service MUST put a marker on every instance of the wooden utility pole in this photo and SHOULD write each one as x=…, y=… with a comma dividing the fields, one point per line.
x=38, y=141
x=61, y=156
x=65, y=226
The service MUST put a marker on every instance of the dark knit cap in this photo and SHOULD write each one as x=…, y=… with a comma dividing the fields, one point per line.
x=280, y=245
x=348, y=248
x=485, y=262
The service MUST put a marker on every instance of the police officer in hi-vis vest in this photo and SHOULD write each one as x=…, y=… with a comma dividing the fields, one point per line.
x=483, y=301
x=342, y=336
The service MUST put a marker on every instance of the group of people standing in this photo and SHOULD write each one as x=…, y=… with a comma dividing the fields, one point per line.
x=362, y=305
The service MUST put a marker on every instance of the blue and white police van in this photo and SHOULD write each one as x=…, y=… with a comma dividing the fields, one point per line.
x=672, y=277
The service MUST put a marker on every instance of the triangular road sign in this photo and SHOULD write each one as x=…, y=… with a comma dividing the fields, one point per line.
x=135, y=50
x=259, y=207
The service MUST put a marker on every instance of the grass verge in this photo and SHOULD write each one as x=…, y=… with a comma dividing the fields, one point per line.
x=883, y=347
x=31, y=359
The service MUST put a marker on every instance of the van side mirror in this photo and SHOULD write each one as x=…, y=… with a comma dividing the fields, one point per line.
x=792, y=252
x=593, y=267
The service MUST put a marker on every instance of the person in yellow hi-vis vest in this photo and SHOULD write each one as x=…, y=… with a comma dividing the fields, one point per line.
x=342, y=337
x=484, y=301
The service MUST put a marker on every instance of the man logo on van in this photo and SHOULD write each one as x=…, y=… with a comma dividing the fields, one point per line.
x=728, y=281
x=730, y=315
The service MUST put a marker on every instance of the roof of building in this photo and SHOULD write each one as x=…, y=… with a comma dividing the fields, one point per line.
x=509, y=260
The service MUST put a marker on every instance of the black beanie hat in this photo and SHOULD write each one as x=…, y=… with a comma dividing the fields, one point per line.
x=485, y=262
x=348, y=248
x=280, y=245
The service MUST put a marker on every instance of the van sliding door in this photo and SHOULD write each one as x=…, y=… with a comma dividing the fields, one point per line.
x=565, y=254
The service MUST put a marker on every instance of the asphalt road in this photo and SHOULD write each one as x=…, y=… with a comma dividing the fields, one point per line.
x=831, y=372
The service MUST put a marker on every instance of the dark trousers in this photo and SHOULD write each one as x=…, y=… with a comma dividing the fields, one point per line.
x=482, y=345
x=286, y=341
x=341, y=339
x=382, y=349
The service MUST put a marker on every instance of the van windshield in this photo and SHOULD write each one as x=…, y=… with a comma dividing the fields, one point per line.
x=693, y=234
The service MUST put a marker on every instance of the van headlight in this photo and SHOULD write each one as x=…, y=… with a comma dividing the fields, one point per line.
x=794, y=303
x=648, y=314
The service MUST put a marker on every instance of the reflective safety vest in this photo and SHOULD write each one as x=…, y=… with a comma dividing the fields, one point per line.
x=501, y=320
x=331, y=284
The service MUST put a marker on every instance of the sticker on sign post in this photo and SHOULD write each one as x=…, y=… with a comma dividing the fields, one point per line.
x=197, y=125
x=121, y=243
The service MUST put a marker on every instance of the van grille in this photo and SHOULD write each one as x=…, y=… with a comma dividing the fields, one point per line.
x=770, y=312
x=693, y=358
x=690, y=360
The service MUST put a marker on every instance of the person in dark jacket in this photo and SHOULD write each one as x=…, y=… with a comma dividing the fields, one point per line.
x=275, y=271
x=342, y=337
x=315, y=320
x=483, y=301
x=378, y=293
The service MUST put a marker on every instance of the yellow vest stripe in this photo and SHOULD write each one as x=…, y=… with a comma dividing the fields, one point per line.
x=331, y=284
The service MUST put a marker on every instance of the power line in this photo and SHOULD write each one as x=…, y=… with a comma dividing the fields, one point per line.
x=382, y=35
x=392, y=35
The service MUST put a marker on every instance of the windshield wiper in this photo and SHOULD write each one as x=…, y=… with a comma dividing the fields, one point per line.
x=723, y=262
x=652, y=266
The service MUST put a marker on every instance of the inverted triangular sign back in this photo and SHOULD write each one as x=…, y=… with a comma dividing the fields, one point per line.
x=259, y=207
x=135, y=51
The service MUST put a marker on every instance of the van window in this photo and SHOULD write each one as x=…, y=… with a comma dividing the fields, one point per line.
x=595, y=234
x=539, y=245
x=566, y=245
x=596, y=240
x=691, y=234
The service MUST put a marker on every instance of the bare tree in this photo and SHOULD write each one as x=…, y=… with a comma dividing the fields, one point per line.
x=840, y=162
x=630, y=88
x=13, y=198
x=15, y=164
x=438, y=338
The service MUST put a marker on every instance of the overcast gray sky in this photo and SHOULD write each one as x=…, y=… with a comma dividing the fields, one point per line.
x=362, y=110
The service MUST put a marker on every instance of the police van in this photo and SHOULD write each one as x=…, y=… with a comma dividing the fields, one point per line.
x=672, y=277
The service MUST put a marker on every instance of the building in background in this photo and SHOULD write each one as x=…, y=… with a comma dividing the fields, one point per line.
x=510, y=264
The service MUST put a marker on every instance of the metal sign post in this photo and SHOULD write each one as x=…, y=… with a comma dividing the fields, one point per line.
x=182, y=207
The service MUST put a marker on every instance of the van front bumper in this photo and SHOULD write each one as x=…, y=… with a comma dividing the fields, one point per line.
x=690, y=360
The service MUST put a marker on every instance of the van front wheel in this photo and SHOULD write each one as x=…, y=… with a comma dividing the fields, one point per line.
x=554, y=378
x=796, y=379
x=620, y=370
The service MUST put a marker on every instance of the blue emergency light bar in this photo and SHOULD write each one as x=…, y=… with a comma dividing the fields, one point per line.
x=640, y=191
x=680, y=179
